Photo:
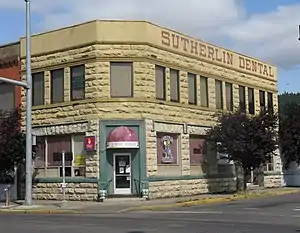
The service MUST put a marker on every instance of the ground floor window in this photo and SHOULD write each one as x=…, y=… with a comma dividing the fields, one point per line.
x=269, y=166
x=198, y=149
x=48, y=159
x=167, y=145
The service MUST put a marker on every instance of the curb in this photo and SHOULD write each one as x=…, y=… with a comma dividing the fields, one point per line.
x=216, y=200
x=38, y=211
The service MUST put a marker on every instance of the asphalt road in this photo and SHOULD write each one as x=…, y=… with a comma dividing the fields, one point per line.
x=275, y=214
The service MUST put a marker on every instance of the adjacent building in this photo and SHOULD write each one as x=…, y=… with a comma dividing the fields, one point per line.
x=10, y=95
x=129, y=102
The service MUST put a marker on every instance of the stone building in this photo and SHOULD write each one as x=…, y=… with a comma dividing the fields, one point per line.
x=129, y=103
x=10, y=95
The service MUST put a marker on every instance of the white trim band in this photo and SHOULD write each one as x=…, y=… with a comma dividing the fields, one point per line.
x=122, y=145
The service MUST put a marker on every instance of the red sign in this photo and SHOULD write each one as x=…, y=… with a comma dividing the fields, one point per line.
x=89, y=143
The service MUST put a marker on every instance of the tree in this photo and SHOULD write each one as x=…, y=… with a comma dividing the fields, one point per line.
x=249, y=141
x=285, y=99
x=289, y=133
x=12, y=142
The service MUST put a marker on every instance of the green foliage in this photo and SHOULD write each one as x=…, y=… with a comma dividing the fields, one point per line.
x=12, y=142
x=247, y=140
x=285, y=99
x=290, y=133
x=289, y=130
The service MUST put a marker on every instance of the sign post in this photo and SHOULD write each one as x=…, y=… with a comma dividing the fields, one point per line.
x=63, y=184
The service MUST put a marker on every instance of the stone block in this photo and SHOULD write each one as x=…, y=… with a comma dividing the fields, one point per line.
x=74, y=191
x=162, y=189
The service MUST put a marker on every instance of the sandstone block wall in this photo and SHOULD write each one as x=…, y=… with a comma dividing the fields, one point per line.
x=74, y=191
x=98, y=104
x=163, y=189
x=97, y=58
x=273, y=181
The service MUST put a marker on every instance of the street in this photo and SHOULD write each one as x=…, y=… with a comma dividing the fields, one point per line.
x=273, y=214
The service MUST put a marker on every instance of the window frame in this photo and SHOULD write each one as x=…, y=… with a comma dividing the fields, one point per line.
x=52, y=89
x=192, y=77
x=47, y=167
x=262, y=100
x=217, y=81
x=230, y=100
x=11, y=97
x=269, y=166
x=251, y=102
x=177, y=90
x=176, y=136
x=270, y=102
x=242, y=104
x=164, y=83
x=42, y=102
x=132, y=80
x=202, y=104
x=71, y=83
x=204, y=149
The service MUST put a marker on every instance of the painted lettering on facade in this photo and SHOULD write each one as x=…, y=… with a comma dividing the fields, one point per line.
x=214, y=54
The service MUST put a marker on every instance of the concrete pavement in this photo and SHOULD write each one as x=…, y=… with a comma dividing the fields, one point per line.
x=120, y=205
x=278, y=210
x=62, y=224
x=264, y=215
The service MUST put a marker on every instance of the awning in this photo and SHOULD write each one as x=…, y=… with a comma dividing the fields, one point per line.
x=122, y=137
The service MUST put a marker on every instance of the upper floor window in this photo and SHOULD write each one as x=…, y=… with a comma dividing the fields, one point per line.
x=204, y=91
x=270, y=102
x=38, y=89
x=174, y=85
x=251, y=103
x=219, y=94
x=262, y=100
x=192, y=88
x=229, y=96
x=57, y=86
x=7, y=97
x=121, y=79
x=160, y=82
x=77, y=82
x=242, y=99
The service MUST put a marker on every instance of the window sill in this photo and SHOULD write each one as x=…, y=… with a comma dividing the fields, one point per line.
x=168, y=165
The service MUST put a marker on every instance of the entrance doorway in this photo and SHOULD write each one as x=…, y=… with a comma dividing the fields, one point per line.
x=122, y=173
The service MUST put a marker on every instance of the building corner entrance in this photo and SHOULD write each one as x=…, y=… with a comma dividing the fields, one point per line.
x=122, y=150
x=122, y=173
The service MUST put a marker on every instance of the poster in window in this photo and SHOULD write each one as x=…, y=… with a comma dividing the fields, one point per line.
x=79, y=160
x=121, y=170
x=167, y=142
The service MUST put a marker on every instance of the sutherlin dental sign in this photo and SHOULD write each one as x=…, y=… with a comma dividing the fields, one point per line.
x=215, y=54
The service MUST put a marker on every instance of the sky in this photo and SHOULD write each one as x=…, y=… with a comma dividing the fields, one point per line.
x=264, y=29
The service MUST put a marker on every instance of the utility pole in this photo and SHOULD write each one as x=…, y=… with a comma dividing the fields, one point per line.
x=28, y=86
x=28, y=190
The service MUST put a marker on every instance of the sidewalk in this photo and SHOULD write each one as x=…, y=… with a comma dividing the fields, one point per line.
x=121, y=205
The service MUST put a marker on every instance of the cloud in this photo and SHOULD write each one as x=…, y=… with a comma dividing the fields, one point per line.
x=269, y=36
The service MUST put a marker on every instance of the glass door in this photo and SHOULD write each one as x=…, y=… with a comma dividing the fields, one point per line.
x=122, y=174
